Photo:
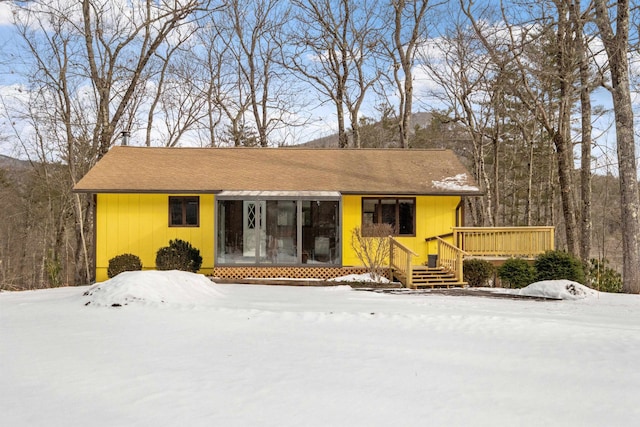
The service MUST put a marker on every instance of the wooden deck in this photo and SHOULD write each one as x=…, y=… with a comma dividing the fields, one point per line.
x=494, y=244
x=504, y=242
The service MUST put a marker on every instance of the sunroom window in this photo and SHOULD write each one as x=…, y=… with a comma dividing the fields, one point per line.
x=278, y=231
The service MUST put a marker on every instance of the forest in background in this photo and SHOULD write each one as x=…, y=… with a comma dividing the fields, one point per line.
x=529, y=94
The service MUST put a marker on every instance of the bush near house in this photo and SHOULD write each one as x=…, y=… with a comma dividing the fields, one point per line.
x=123, y=262
x=516, y=273
x=477, y=272
x=602, y=277
x=179, y=255
x=555, y=265
x=371, y=246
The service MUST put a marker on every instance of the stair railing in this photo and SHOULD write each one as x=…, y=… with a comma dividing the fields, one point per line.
x=450, y=257
x=401, y=259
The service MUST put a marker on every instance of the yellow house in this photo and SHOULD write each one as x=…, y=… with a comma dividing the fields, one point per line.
x=267, y=212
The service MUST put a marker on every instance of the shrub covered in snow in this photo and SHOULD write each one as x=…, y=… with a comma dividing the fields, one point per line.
x=558, y=289
x=153, y=288
x=516, y=273
x=123, y=262
x=179, y=255
x=555, y=265
x=477, y=272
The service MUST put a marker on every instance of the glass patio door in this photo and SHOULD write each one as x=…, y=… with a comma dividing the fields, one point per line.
x=253, y=229
x=280, y=237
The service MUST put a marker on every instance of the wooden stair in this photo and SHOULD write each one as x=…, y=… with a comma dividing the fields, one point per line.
x=426, y=277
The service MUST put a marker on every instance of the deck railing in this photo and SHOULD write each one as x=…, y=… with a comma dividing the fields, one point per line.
x=401, y=259
x=450, y=257
x=524, y=242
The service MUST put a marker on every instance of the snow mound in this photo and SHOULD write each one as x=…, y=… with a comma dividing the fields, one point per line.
x=559, y=289
x=153, y=287
x=359, y=278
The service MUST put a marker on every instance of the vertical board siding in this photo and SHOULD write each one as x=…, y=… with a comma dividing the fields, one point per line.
x=139, y=224
x=435, y=216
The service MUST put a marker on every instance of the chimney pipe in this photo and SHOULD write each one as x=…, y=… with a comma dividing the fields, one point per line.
x=125, y=137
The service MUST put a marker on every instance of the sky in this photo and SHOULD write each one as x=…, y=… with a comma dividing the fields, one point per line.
x=322, y=115
x=173, y=348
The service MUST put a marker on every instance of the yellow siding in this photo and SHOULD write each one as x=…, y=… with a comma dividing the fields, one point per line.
x=139, y=224
x=435, y=215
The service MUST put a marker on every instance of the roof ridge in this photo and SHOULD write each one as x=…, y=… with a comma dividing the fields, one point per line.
x=287, y=148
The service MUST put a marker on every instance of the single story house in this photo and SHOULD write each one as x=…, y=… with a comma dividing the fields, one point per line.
x=274, y=212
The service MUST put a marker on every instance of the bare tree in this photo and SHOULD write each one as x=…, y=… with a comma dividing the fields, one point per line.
x=464, y=81
x=613, y=25
x=579, y=20
x=363, y=52
x=87, y=62
x=228, y=99
x=255, y=41
x=334, y=42
x=322, y=31
x=528, y=47
x=119, y=42
x=176, y=96
x=407, y=31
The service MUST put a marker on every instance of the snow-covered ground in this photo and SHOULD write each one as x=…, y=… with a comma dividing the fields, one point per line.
x=172, y=349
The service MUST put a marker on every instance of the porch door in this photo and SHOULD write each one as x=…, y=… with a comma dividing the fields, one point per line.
x=253, y=228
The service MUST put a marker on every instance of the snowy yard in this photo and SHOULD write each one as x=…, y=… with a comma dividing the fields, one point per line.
x=182, y=351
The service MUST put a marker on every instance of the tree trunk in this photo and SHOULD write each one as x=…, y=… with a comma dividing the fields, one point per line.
x=405, y=50
x=585, y=161
x=616, y=46
x=568, y=204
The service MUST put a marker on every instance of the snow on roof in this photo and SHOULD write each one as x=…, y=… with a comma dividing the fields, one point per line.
x=459, y=182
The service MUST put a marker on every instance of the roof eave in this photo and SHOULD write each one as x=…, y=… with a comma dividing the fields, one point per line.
x=141, y=191
x=203, y=191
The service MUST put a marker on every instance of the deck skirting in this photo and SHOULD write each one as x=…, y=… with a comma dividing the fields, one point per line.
x=319, y=273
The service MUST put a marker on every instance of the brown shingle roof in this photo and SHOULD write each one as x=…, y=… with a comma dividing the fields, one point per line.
x=196, y=170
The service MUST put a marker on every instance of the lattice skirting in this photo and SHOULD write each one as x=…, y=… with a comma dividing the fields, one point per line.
x=322, y=273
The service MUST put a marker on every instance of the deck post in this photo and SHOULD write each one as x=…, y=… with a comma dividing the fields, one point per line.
x=390, y=258
x=409, y=271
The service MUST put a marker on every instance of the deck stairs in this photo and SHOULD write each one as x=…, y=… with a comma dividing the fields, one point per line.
x=494, y=244
x=429, y=277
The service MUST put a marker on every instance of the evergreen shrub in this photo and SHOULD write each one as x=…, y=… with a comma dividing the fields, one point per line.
x=516, y=273
x=477, y=272
x=602, y=277
x=124, y=262
x=555, y=265
x=179, y=255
